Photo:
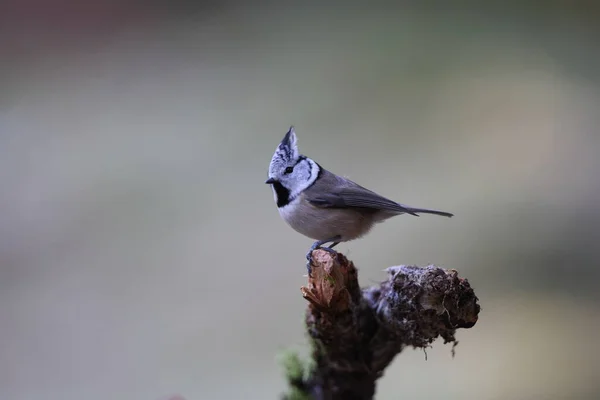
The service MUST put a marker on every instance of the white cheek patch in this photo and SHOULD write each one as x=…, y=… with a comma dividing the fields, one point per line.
x=312, y=175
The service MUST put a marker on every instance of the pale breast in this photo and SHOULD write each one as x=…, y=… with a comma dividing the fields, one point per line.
x=325, y=223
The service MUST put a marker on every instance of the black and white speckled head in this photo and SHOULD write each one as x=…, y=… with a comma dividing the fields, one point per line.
x=290, y=172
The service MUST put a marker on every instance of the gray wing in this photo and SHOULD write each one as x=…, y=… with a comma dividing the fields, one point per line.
x=343, y=193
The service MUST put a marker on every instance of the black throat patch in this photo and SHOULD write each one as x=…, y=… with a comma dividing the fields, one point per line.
x=283, y=194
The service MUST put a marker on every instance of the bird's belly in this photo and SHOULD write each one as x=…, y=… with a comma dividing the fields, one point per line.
x=326, y=223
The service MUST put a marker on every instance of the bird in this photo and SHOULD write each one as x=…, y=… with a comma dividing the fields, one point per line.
x=324, y=206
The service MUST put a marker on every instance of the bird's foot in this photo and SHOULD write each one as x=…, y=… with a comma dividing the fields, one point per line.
x=309, y=258
x=317, y=245
x=309, y=267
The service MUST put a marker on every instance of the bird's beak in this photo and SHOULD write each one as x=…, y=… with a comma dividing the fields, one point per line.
x=270, y=181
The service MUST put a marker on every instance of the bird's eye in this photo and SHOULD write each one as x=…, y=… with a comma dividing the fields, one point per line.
x=289, y=170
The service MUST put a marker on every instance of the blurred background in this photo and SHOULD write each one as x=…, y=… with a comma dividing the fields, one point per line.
x=141, y=254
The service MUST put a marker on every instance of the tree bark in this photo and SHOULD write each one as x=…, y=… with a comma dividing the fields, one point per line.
x=356, y=333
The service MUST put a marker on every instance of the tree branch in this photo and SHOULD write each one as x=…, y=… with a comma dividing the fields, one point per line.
x=357, y=333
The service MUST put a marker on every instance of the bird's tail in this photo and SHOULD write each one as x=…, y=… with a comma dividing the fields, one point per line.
x=416, y=211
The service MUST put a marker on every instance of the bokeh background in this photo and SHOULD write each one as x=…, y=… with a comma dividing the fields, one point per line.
x=142, y=256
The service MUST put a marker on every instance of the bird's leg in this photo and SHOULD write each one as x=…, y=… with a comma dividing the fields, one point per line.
x=317, y=245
